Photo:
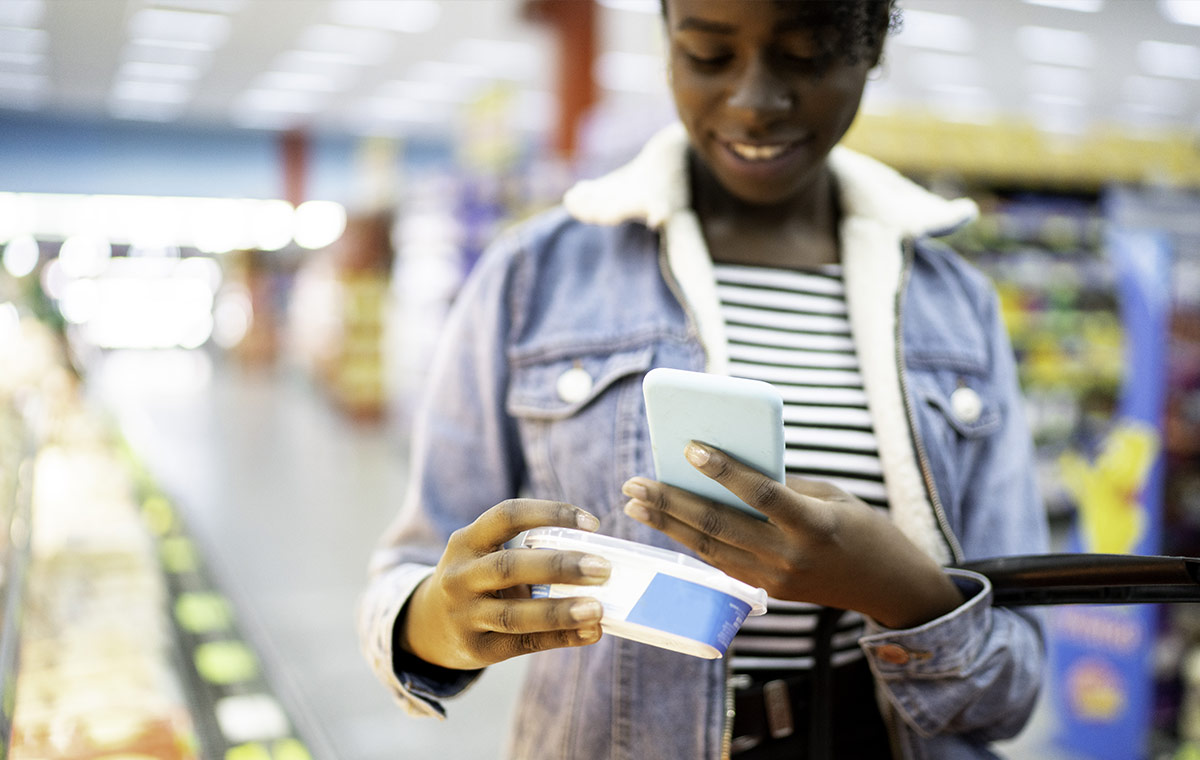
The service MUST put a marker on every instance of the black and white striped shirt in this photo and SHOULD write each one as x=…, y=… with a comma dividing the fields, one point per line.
x=790, y=328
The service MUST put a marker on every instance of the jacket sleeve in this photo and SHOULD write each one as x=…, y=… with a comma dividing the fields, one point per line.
x=976, y=671
x=464, y=458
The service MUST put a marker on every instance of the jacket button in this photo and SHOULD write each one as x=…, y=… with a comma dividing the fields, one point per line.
x=966, y=404
x=574, y=385
x=893, y=654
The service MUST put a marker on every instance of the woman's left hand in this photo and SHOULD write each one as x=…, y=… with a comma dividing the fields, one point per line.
x=820, y=544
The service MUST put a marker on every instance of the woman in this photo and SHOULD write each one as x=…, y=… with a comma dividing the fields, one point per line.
x=741, y=241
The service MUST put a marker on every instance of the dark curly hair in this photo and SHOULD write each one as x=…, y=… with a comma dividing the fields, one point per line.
x=859, y=26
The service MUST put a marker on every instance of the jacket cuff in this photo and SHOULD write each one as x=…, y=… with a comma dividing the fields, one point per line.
x=908, y=662
x=417, y=686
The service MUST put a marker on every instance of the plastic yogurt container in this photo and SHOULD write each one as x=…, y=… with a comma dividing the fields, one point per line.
x=656, y=596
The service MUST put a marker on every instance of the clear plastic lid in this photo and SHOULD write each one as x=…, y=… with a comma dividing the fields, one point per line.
x=661, y=560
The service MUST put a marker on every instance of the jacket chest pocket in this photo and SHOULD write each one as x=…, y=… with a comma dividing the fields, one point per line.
x=957, y=413
x=579, y=417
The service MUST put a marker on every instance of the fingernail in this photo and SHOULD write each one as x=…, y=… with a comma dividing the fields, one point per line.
x=696, y=454
x=637, y=511
x=584, y=611
x=595, y=567
x=586, y=522
x=588, y=634
x=635, y=491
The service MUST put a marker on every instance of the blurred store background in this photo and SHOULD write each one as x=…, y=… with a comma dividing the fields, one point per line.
x=229, y=232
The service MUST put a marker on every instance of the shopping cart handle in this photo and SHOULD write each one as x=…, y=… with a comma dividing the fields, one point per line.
x=1089, y=579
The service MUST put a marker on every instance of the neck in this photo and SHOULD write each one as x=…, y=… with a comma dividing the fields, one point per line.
x=797, y=233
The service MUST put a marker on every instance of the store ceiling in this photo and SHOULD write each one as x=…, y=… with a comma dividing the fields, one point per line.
x=401, y=66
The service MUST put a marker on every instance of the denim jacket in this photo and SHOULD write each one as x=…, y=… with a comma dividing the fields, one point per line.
x=617, y=282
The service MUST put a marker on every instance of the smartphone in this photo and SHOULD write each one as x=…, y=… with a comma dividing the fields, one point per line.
x=743, y=418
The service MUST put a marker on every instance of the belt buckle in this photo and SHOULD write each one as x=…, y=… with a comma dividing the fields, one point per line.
x=778, y=703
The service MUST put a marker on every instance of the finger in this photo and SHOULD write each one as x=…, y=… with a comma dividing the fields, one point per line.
x=651, y=501
x=518, y=616
x=735, y=560
x=502, y=522
x=503, y=569
x=502, y=646
x=817, y=489
x=768, y=496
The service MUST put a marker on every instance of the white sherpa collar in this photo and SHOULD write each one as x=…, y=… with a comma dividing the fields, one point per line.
x=654, y=185
x=880, y=208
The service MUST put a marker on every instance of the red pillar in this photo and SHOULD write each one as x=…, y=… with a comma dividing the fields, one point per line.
x=294, y=149
x=574, y=26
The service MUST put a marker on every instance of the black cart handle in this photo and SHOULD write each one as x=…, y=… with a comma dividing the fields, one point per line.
x=1039, y=579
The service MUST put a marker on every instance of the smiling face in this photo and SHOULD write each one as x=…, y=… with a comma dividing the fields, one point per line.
x=761, y=94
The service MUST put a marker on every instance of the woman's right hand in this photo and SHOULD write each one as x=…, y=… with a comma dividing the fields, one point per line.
x=475, y=609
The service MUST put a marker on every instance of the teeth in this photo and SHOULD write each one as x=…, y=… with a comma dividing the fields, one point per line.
x=757, y=152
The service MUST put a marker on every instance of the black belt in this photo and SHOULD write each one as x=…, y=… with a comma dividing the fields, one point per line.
x=825, y=713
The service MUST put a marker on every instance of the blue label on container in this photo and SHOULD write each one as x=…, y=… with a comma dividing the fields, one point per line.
x=691, y=610
x=540, y=591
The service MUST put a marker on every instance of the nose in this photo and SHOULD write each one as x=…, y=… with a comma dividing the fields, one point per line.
x=759, y=90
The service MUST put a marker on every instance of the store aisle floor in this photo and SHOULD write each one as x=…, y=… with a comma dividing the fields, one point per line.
x=286, y=499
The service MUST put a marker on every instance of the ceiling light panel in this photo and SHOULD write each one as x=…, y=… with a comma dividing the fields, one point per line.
x=152, y=92
x=1168, y=59
x=210, y=6
x=22, y=81
x=1080, y=6
x=412, y=16
x=202, y=30
x=368, y=46
x=19, y=39
x=1180, y=11
x=941, y=69
x=437, y=92
x=1062, y=47
x=282, y=101
x=173, y=53
x=1162, y=93
x=326, y=81
x=150, y=70
x=1058, y=80
x=937, y=31
x=26, y=13
x=504, y=59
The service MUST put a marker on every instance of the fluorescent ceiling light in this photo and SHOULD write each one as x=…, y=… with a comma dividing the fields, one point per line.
x=1082, y=6
x=169, y=52
x=22, y=81
x=1056, y=99
x=173, y=72
x=151, y=92
x=29, y=60
x=207, y=30
x=211, y=6
x=1181, y=11
x=444, y=72
x=299, y=80
x=1155, y=91
x=366, y=45
x=283, y=101
x=937, y=31
x=946, y=68
x=412, y=16
x=17, y=39
x=21, y=12
x=143, y=110
x=630, y=72
x=438, y=92
x=1168, y=59
x=409, y=111
x=1063, y=47
x=507, y=59
x=315, y=62
x=1058, y=80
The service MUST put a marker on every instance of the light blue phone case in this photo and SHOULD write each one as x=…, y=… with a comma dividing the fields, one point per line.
x=743, y=418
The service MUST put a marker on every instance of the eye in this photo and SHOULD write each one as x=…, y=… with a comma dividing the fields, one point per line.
x=711, y=61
